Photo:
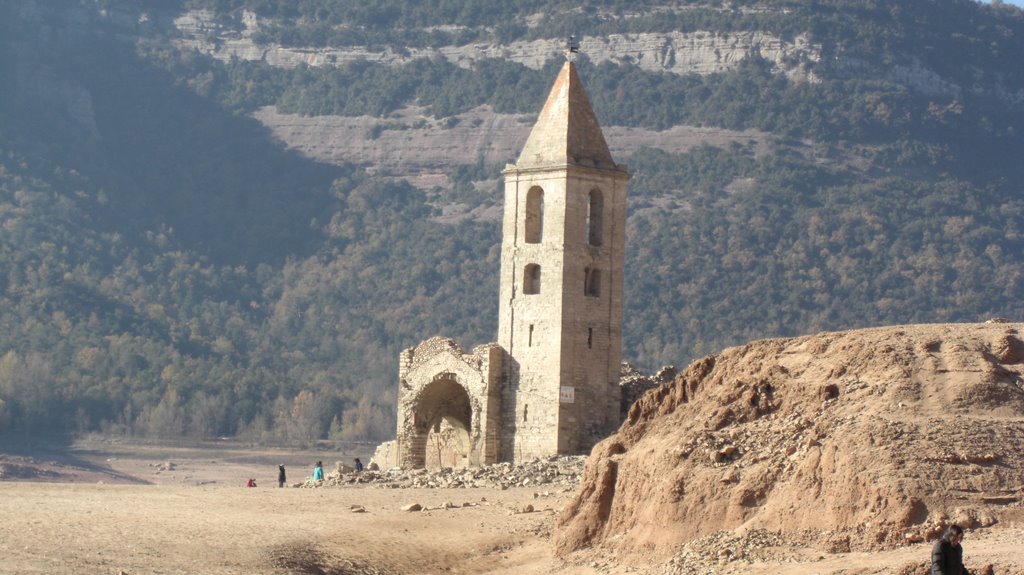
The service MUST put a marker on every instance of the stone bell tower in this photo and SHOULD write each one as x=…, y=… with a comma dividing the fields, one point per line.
x=551, y=383
x=560, y=318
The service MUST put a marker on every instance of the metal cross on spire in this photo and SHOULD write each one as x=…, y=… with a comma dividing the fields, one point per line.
x=572, y=49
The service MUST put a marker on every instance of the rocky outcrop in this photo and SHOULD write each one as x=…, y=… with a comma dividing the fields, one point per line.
x=695, y=52
x=413, y=145
x=855, y=440
x=702, y=52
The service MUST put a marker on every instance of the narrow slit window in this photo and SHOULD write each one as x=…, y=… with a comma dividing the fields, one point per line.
x=534, y=224
x=595, y=219
x=590, y=338
x=529, y=341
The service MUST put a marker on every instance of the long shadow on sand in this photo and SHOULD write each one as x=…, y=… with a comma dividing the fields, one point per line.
x=50, y=463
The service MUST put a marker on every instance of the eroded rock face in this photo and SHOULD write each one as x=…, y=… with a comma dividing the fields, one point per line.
x=699, y=52
x=413, y=145
x=861, y=439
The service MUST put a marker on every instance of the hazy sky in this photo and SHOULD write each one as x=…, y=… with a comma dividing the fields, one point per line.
x=1014, y=2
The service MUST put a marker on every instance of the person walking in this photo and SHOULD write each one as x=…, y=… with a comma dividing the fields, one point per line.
x=947, y=554
x=318, y=471
x=281, y=478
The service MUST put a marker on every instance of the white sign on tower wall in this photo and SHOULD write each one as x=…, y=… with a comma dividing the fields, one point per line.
x=567, y=394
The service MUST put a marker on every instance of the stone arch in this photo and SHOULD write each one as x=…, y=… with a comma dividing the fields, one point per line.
x=443, y=422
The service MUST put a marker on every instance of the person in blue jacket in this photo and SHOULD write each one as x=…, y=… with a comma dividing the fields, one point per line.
x=318, y=471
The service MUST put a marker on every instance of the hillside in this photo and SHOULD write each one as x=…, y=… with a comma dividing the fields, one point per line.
x=859, y=440
x=227, y=217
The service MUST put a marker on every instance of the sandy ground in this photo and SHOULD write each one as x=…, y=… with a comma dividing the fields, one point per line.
x=144, y=509
x=138, y=510
x=64, y=528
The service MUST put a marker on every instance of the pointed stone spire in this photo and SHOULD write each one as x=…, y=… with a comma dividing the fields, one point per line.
x=566, y=131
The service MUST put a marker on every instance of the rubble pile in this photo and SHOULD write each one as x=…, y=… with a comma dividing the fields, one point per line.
x=633, y=383
x=554, y=471
x=726, y=552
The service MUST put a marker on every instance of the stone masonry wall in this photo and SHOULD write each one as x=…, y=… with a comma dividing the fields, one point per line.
x=437, y=380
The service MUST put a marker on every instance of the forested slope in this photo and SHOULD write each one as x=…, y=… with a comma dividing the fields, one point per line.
x=168, y=268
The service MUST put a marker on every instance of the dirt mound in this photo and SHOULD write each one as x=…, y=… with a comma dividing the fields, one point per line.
x=307, y=559
x=852, y=440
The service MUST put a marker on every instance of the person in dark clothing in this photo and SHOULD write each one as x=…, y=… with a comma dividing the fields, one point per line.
x=280, y=475
x=359, y=465
x=947, y=554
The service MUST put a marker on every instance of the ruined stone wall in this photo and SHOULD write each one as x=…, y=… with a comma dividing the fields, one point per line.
x=439, y=384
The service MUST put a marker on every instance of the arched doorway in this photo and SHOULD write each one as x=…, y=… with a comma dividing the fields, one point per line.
x=443, y=417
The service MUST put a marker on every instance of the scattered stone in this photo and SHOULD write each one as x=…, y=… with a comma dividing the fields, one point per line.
x=633, y=383
x=412, y=507
x=703, y=555
x=559, y=471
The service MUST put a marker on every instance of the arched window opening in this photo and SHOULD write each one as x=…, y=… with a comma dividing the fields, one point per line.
x=591, y=282
x=531, y=279
x=534, y=215
x=595, y=219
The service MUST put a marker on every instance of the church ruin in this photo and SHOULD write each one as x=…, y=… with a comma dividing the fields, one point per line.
x=550, y=385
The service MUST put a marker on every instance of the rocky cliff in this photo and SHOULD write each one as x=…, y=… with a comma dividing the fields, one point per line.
x=702, y=52
x=674, y=52
x=421, y=148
